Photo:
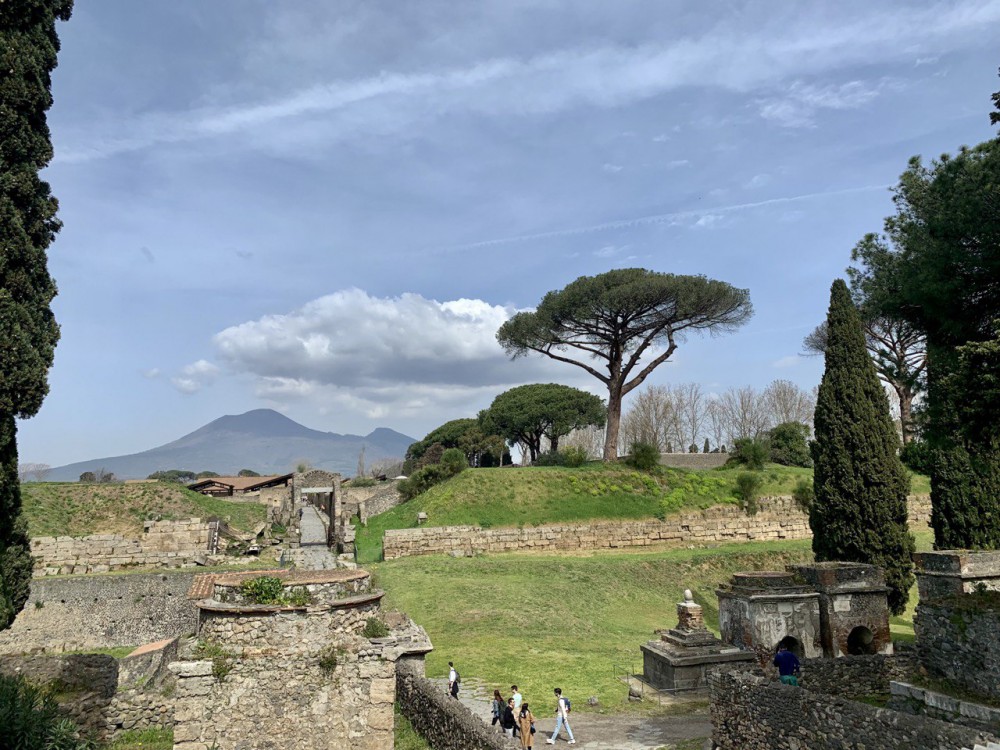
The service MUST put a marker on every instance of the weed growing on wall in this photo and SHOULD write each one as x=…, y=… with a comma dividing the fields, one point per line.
x=375, y=628
x=222, y=660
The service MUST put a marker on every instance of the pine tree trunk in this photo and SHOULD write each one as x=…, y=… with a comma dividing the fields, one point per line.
x=905, y=413
x=614, y=422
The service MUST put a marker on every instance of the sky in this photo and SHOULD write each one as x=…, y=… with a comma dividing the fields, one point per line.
x=329, y=208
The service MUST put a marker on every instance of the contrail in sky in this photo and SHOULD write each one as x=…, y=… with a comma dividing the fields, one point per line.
x=666, y=218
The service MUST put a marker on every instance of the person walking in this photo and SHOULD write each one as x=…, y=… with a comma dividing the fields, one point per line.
x=787, y=664
x=562, y=719
x=509, y=721
x=497, y=709
x=454, y=680
x=526, y=723
x=517, y=698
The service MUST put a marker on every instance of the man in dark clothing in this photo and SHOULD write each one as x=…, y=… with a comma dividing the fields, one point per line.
x=787, y=664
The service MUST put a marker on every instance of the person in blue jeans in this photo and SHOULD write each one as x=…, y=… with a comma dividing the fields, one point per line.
x=787, y=664
x=562, y=719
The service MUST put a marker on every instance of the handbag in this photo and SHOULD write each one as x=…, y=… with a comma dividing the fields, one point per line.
x=532, y=728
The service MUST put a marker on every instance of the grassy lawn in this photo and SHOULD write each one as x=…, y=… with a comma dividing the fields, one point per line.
x=405, y=736
x=73, y=509
x=146, y=739
x=541, y=495
x=547, y=621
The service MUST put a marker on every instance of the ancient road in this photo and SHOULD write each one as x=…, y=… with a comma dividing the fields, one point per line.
x=690, y=729
x=312, y=553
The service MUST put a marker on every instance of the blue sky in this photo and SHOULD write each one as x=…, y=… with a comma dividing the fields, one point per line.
x=329, y=208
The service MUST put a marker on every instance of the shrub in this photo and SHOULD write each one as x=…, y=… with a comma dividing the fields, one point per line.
x=30, y=718
x=748, y=487
x=803, y=495
x=423, y=479
x=375, y=628
x=222, y=660
x=749, y=452
x=454, y=461
x=788, y=444
x=363, y=482
x=575, y=456
x=916, y=456
x=263, y=590
x=643, y=456
x=552, y=458
x=329, y=657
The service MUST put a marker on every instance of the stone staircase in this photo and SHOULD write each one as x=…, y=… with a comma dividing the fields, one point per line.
x=309, y=558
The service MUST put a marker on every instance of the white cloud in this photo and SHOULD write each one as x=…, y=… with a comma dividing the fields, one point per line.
x=195, y=376
x=729, y=57
x=757, y=181
x=609, y=251
x=790, y=361
x=152, y=373
x=798, y=106
x=708, y=220
x=661, y=138
x=678, y=163
x=612, y=168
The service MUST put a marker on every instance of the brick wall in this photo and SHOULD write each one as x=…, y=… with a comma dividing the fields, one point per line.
x=778, y=518
x=163, y=544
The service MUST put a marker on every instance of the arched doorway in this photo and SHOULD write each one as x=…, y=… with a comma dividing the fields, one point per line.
x=793, y=644
x=861, y=641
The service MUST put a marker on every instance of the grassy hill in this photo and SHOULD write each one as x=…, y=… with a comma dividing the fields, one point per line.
x=541, y=495
x=540, y=621
x=73, y=509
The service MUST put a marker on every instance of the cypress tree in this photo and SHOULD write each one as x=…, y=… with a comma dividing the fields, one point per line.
x=859, y=514
x=28, y=330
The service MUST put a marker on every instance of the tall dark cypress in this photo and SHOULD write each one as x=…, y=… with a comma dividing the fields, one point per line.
x=28, y=224
x=859, y=514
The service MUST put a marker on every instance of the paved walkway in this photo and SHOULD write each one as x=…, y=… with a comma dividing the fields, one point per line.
x=670, y=728
x=312, y=553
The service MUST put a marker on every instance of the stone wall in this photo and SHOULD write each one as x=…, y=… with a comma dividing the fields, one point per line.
x=778, y=518
x=915, y=699
x=163, y=544
x=87, y=612
x=857, y=676
x=958, y=639
x=385, y=498
x=280, y=508
x=693, y=460
x=753, y=713
x=444, y=722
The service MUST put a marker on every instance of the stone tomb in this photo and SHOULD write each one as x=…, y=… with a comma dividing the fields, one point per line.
x=682, y=657
x=853, y=607
x=760, y=610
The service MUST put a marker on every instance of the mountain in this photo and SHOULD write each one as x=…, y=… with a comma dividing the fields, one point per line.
x=262, y=440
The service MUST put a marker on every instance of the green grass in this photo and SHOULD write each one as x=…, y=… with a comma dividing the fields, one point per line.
x=146, y=739
x=542, y=495
x=406, y=737
x=548, y=621
x=119, y=652
x=72, y=509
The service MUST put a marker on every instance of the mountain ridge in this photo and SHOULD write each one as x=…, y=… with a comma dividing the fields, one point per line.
x=260, y=439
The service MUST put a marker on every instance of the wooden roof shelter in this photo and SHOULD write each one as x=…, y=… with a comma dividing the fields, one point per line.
x=229, y=486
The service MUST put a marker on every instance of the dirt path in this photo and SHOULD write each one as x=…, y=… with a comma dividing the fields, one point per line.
x=672, y=727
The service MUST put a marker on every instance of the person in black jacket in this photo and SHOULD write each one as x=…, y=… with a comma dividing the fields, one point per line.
x=508, y=720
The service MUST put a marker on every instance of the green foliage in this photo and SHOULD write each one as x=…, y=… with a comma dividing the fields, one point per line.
x=330, y=657
x=205, y=475
x=423, y=479
x=574, y=456
x=550, y=458
x=143, y=739
x=271, y=590
x=917, y=456
x=528, y=413
x=643, y=456
x=481, y=447
x=30, y=718
x=247, y=473
x=88, y=476
x=616, y=317
x=804, y=495
x=707, y=448
x=222, y=660
x=177, y=475
x=405, y=737
x=788, y=444
x=375, y=628
x=453, y=460
x=859, y=513
x=749, y=452
x=363, y=482
x=748, y=486
x=263, y=590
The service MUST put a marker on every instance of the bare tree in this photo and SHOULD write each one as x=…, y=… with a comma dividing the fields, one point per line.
x=589, y=439
x=649, y=418
x=385, y=467
x=787, y=402
x=716, y=422
x=37, y=472
x=360, y=472
x=744, y=413
x=691, y=408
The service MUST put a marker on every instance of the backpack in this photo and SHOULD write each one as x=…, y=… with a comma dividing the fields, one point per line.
x=569, y=706
x=458, y=677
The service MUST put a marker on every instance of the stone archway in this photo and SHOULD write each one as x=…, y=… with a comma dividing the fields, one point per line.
x=861, y=641
x=793, y=644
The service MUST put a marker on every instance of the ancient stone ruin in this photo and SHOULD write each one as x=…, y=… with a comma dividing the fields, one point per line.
x=823, y=609
x=682, y=656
